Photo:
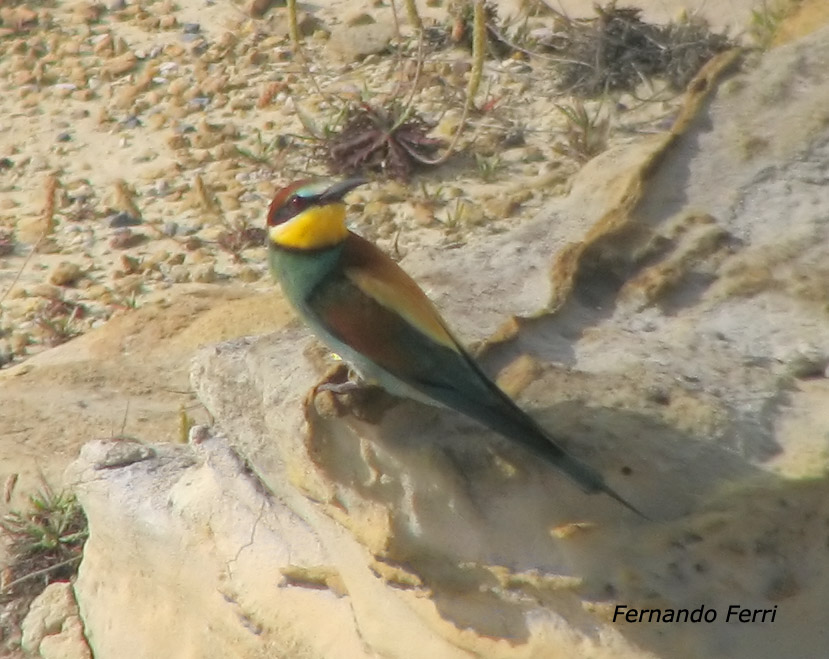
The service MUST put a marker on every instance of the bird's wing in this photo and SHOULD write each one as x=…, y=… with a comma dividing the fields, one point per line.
x=374, y=307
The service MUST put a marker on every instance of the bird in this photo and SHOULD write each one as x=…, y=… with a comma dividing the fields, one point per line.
x=375, y=317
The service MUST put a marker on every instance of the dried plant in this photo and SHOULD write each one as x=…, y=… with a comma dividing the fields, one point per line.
x=238, y=236
x=463, y=31
x=617, y=50
x=57, y=320
x=49, y=222
x=388, y=140
x=6, y=242
x=413, y=15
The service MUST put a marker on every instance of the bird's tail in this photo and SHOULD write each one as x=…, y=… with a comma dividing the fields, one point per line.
x=504, y=417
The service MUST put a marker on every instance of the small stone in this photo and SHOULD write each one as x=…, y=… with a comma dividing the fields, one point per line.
x=201, y=255
x=6, y=239
x=122, y=219
x=513, y=138
x=104, y=46
x=424, y=214
x=45, y=290
x=130, y=264
x=122, y=65
x=170, y=228
x=258, y=8
x=191, y=28
x=193, y=243
x=69, y=643
x=360, y=18
x=29, y=229
x=47, y=614
x=501, y=206
x=153, y=261
x=66, y=273
x=131, y=122
x=177, y=142
x=355, y=43
x=88, y=12
x=6, y=354
x=180, y=274
x=204, y=273
x=18, y=342
x=248, y=274
x=124, y=238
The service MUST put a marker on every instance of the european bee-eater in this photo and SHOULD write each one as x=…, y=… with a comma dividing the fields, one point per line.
x=373, y=315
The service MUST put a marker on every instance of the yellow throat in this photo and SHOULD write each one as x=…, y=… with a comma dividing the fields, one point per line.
x=314, y=228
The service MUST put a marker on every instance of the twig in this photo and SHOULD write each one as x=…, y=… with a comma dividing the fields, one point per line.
x=44, y=570
x=413, y=16
x=407, y=107
x=49, y=216
x=293, y=25
x=478, y=50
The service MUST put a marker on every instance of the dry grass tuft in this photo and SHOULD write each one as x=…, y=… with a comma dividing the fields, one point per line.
x=616, y=51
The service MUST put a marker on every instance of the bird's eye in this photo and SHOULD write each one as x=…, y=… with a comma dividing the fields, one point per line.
x=297, y=201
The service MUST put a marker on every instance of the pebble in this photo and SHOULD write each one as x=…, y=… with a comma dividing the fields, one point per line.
x=124, y=238
x=6, y=353
x=353, y=43
x=204, y=273
x=248, y=274
x=156, y=259
x=66, y=273
x=122, y=219
x=258, y=8
x=180, y=274
x=18, y=342
x=45, y=290
x=29, y=229
x=119, y=66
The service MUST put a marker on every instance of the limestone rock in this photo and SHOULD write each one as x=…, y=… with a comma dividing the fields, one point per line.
x=354, y=42
x=158, y=527
x=52, y=626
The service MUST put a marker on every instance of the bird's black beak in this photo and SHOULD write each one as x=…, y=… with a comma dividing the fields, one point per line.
x=337, y=191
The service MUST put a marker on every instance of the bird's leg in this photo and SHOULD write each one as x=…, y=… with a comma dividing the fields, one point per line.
x=339, y=379
x=339, y=388
x=343, y=391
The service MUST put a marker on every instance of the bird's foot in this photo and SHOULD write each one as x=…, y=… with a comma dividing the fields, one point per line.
x=339, y=388
x=342, y=392
x=339, y=379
